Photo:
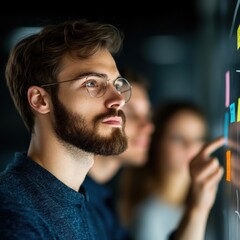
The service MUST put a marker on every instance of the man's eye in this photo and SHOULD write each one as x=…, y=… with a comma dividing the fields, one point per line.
x=91, y=84
x=118, y=87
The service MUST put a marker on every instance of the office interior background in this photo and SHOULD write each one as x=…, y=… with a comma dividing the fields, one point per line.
x=183, y=50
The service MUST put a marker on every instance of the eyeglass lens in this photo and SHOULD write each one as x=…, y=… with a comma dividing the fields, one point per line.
x=97, y=87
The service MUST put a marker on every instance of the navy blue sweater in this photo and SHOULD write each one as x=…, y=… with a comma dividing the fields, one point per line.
x=36, y=205
x=102, y=199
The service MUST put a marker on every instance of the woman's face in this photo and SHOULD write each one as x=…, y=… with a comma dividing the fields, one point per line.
x=138, y=127
x=184, y=136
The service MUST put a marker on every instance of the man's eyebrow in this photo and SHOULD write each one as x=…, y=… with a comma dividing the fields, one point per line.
x=86, y=74
x=95, y=74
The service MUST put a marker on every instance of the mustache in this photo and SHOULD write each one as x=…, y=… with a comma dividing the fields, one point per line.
x=111, y=113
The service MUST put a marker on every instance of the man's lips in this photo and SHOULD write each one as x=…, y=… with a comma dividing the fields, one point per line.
x=116, y=121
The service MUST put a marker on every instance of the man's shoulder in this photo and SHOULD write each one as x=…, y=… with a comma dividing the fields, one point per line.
x=20, y=221
x=16, y=189
x=13, y=182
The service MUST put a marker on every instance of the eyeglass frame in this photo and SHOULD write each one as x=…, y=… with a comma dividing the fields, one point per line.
x=97, y=75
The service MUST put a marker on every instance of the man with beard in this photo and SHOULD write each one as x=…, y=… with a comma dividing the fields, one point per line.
x=66, y=86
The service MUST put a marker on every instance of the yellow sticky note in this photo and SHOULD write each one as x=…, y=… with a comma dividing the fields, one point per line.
x=238, y=113
x=238, y=37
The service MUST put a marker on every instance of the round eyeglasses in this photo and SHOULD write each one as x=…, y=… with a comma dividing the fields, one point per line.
x=96, y=85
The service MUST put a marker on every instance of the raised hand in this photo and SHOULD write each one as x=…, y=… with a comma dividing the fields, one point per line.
x=206, y=173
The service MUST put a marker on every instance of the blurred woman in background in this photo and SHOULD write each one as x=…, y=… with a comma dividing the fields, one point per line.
x=154, y=196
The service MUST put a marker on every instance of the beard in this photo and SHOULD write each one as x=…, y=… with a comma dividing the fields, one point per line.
x=72, y=128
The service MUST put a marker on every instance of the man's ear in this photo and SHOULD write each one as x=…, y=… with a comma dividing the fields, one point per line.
x=38, y=99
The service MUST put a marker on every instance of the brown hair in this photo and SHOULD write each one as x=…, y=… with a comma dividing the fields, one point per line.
x=35, y=59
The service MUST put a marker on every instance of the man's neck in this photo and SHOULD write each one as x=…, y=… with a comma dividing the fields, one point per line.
x=69, y=164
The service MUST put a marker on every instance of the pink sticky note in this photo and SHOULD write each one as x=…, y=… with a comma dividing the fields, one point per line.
x=227, y=94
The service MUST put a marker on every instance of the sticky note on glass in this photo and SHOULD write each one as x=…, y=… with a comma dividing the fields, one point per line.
x=238, y=113
x=232, y=112
x=238, y=37
x=226, y=125
x=228, y=165
x=227, y=89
